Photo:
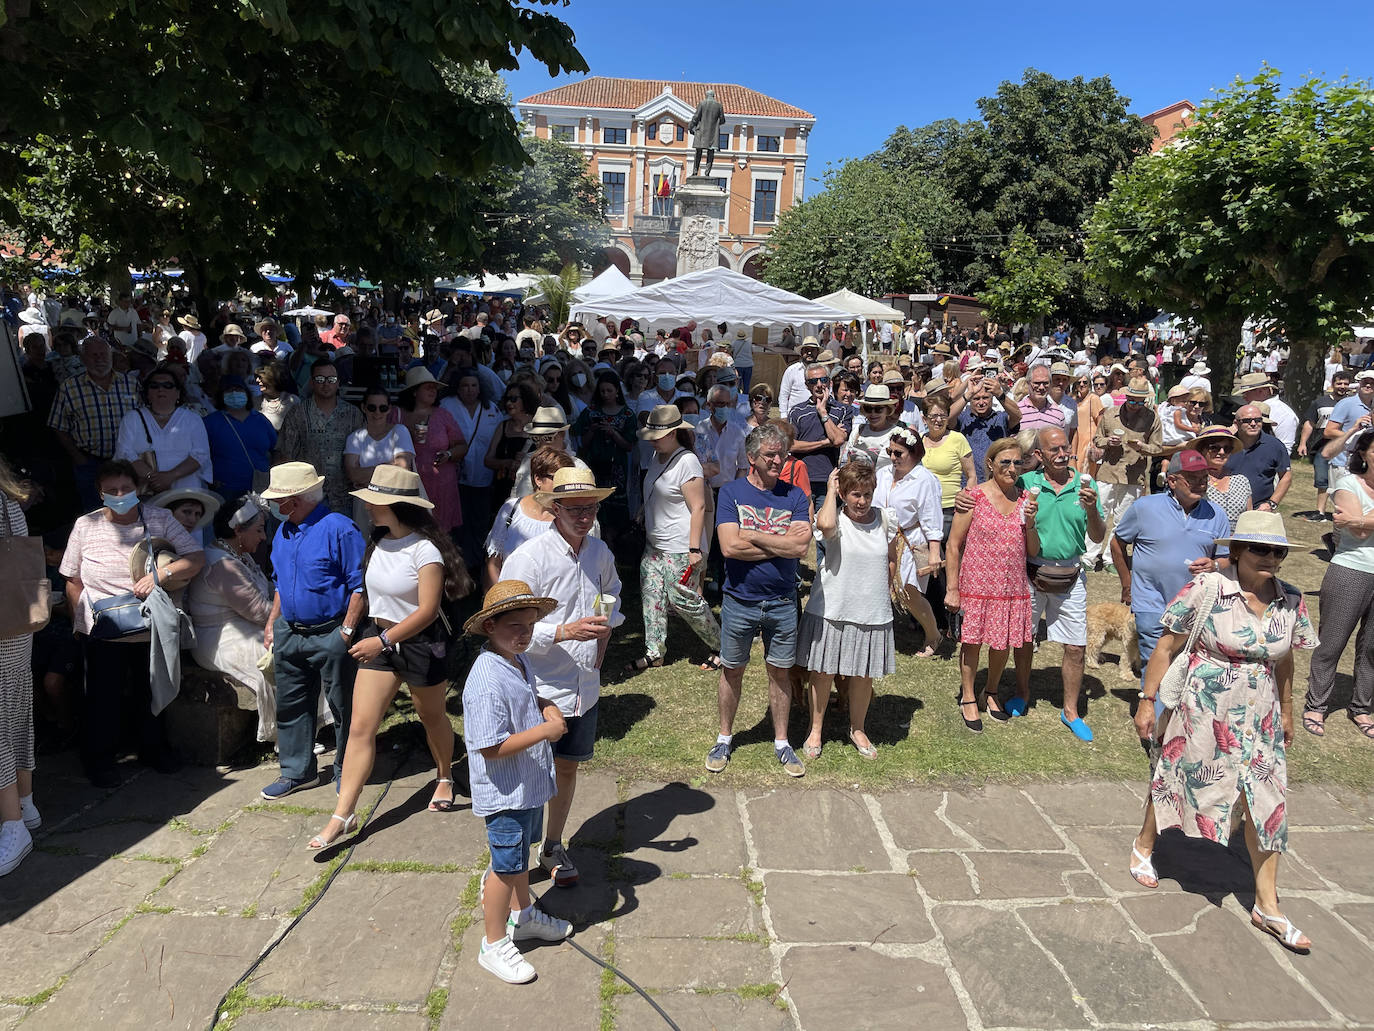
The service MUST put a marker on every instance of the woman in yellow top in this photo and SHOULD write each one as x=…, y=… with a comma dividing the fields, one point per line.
x=949, y=457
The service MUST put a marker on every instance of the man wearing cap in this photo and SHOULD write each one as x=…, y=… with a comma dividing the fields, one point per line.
x=87, y=414
x=792, y=387
x=1061, y=380
x=317, y=561
x=743, y=350
x=569, y=644
x=820, y=430
x=1261, y=459
x=1318, y=414
x=316, y=431
x=1172, y=537
x=1127, y=438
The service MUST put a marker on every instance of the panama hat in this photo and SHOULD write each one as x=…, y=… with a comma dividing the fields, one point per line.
x=390, y=485
x=1179, y=390
x=175, y=496
x=165, y=553
x=1139, y=390
x=663, y=420
x=548, y=419
x=233, y=330
x=1250, y=381
x=292, y=478
x=189, y=321
x=811, y=342
x=1255, y=527
x=434, y=315
x=1060, y=369
x=1200, y=369
x=507, y=596
x=571, y=484
x=877, y=394
x=1210, y=433
x=826, y=357
x=271, y=324
x=418, y=377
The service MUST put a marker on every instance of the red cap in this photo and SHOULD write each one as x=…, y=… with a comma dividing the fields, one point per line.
x=1187, y=462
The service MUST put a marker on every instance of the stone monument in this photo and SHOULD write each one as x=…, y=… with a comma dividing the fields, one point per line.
x=698, y=239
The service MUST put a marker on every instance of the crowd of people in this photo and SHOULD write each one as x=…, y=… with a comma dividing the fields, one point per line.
x=316, y=497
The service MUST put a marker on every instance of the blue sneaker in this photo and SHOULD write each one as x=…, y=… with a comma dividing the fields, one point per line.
x=1080, y=729
x=791, y=765
x=718, y=757
x=1016, y=706
x=283, y=786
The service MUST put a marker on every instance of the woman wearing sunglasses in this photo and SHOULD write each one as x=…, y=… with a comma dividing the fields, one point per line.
x=1224, y=747
x=760, y=404
x=1230, y=492
x=379, y=442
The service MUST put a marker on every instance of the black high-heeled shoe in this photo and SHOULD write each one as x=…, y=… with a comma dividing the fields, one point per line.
x=974, y=725
x=999, y=714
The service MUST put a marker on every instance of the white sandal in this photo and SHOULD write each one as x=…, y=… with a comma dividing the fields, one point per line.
x=350, y=824
x=442, y=805
x=1288, y=936
x=1144, y=867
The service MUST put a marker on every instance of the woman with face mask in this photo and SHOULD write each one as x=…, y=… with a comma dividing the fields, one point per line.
x=241, y=440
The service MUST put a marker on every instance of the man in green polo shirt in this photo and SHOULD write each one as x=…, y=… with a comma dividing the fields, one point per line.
x=1069, y=514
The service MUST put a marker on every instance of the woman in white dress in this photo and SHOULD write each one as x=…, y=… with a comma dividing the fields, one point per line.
x=378, y=442
x=519, y=519
x=912, y=493
x=165, y=441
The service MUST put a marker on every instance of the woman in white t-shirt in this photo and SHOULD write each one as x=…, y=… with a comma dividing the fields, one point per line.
x=674, y=516
x=377, y=443
x=410, y=567
x=519, y=519
x=846, y=629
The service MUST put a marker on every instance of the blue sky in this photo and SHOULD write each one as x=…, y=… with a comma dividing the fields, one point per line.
x=863, y=67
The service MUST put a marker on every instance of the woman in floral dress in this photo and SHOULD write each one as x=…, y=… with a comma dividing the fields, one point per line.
x=986, y=567
x=1225, y=747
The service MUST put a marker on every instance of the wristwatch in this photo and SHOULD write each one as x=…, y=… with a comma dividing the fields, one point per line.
x=347, y=631
x=694, y=551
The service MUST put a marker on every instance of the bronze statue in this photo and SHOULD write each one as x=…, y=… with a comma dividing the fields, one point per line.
x=705, y=126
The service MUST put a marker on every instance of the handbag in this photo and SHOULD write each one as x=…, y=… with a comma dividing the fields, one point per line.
x=122, y=615
x=26, y=592
x=1049, y=578
x=1175, y=678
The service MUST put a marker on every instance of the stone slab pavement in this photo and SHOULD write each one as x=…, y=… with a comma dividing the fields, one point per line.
x=783, y=908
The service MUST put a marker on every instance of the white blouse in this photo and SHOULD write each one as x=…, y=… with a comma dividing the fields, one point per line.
x=182, y=437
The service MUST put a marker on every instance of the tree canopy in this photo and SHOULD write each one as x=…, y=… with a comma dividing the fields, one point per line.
x=356, y=136
x=1262, y=208
x=1025, y=289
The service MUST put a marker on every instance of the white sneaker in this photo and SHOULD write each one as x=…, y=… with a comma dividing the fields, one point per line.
x=30, y=813
x=539, y=927
x=504, y=960
x=15, y=844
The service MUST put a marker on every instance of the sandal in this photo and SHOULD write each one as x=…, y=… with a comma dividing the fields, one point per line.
x=713, y=663
x=999, y=714
x=812, y=751
x=350, y=824
x=442, y=805
x=642, y=663
x=975, y=725
x=1367, y=729
x=868, y=752
x=1314, y=723
x=1144, y=869
x=1281, y=928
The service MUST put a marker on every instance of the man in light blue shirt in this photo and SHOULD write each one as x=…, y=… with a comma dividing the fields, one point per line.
x=1350, y=413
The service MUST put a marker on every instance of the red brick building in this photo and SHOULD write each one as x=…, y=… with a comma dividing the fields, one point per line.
x=1169, y=120
x=633, y=133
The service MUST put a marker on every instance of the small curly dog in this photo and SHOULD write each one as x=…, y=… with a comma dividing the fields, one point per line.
x=1113, y=621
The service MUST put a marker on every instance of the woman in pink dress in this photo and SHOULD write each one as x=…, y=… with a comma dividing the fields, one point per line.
x=986, y=566
x=439, y=445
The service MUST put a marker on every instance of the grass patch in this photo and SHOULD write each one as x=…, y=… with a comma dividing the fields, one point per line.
x=148, y=907
x=435, y=1004
x=609, y=983
x=176, y=823
x=249, y=911
x=467, y=903
x=679, y=876
x=770, y=990
x=39, y=998
x=145, y=857
x=291, y=810
x=313, y=889
x=238, y=1002
x=659, y=724
x=748, y=937
x=753, y=885
x=403, y=866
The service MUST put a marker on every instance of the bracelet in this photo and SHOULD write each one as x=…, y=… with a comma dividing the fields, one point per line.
x=1147, y=697
x=694, y=551
x=387, y=646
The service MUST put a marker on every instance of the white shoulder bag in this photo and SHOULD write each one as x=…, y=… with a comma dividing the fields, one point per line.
x=1175, y=678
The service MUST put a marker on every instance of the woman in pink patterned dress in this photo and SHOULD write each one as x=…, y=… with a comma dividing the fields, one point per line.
x=986, y=567
x=439, y=445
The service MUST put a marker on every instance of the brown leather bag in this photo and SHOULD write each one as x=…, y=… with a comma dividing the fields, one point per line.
x=1052, y=579
x=25, y=591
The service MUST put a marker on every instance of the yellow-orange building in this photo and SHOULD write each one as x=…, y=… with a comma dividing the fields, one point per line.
x=633, y=133
x=1169, y=121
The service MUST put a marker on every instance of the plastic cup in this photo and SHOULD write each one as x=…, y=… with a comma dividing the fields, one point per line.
x=603, y=605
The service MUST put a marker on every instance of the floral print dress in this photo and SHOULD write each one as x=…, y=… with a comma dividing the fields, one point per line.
x=1226, y=737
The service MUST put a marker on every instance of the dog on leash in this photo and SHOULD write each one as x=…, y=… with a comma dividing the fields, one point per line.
x=1113, y=621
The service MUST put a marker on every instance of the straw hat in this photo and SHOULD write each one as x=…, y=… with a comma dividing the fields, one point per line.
x=1179, y=390
x=392, y=484
x=877, y=394
x=292, y=478
x=826, y=357
x=1255, y=527
x=165, y=552
x=811, y=342
x=720, y=360
x=572, y=484
x=189, y=321
x=271, y=324
x=663, y=420
x=548, y=419
x=1210, y=433
x=233, y=330
x=1060, y=369
x=418, y=377
x=1250, y=381
x=175, y=496
x=507, y=596
x=1138, y=390
x=894, y=376
x=1200, y=369
x=432, y=316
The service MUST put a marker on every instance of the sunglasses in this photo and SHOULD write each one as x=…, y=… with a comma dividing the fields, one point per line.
x=897, y=453
x=1255, y=419
x=1008, y=463
x=1263, y=550
x=1218, y=446
x=758, y=400
x=326, y=379
x=813, y=382
x=377, y=408
x=162, y=384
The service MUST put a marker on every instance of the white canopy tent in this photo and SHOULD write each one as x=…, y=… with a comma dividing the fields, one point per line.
x=608, y=284
x=714, y=294
x=863, y=309
x=516, y=284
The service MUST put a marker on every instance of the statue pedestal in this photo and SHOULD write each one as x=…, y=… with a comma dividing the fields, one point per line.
x=698, y=241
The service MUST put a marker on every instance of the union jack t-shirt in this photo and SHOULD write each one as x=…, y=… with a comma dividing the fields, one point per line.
x=771, y=511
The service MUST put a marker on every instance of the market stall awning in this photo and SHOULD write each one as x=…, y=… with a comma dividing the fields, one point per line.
x=513, y=285
x=861, y=307
x=714, y=294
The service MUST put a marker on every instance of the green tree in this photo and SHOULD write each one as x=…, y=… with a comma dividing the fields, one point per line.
x=356, y=136
x=1263, y=208
x=866, y=232
x=555, y=292
x=1026, y=288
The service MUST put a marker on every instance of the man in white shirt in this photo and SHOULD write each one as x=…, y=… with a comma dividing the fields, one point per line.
x=195, y=339
x=1197, y=378
x=1254, y=388
x=123, y=320
x=569, y=644
x=792, y=388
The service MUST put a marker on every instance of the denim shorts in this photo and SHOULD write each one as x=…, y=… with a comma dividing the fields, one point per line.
x=742, y=621
x=577, y=744
x=1321, y=470
x=511, y=834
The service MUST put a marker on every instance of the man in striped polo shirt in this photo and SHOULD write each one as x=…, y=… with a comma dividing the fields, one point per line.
x=1038, y=410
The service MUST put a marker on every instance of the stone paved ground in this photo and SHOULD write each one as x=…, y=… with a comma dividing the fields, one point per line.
x=770, y=909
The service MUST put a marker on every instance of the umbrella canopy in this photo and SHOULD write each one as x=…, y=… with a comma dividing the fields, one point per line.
x=514, y=285
x=715, y=294
x=861, y=307
x=308, y=312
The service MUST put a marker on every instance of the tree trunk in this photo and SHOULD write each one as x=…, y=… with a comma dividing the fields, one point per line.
x=1223, y=339
x=1305, y=373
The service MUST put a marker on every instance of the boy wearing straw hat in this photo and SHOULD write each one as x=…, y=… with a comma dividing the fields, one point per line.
x=509, y=730
x=569, y=643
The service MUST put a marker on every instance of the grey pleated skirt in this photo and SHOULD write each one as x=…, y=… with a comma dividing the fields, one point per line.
x=847, y=649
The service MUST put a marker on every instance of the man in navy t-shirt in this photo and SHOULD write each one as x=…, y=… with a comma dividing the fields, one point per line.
x=764, y=527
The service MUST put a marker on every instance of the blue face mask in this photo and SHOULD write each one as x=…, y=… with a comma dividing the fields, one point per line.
x=666, y=381
x=119, y=504
x=276, y=512
x=236, y=399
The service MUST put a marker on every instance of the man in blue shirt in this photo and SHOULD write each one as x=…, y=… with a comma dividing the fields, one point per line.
x=980, y=422
x=764, y=525
x=1172, y=538
x=820, y=430
x=317, y=556
x=1351, y=413
x=1261, y=458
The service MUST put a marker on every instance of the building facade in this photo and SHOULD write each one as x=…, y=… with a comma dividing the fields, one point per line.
x=633, y=133
x=1168, y=121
